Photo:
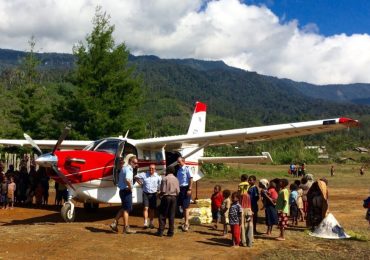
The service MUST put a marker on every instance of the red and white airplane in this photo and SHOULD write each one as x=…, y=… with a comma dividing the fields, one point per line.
x=91, y=174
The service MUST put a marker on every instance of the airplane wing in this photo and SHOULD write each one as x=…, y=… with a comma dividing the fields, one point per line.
x=247, y=135
x=264, y=158
x=46, y=144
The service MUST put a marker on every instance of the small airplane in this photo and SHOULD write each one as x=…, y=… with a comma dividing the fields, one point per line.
x=91, y=174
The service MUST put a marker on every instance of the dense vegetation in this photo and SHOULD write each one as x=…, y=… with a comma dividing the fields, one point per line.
x=102, y=91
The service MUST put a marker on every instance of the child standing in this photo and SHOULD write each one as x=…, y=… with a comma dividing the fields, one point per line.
x=269, y=197
x=11, y=191
x=282, y=207
x=4, y=193
x=254, y=196
x=300, y=200
x=293, y=197
x=246, y=221
x=225, y=207
x=216, y=201
x=235, y=213
x=244, y=184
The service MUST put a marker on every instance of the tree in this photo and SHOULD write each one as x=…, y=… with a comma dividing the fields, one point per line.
x=29, y=65
x=31, y=106
x=108, y=93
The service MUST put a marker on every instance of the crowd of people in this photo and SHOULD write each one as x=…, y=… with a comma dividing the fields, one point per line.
x=303, y=200
x=237, y=211
x=26, y=188
x=297, y=170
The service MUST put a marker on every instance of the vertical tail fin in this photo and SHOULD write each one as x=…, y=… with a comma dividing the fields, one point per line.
x=197, y=126
x=198, y=121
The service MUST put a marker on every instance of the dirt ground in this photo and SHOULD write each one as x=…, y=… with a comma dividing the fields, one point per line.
x=29, y=233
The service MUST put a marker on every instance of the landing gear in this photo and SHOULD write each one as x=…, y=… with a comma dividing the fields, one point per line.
x=68, y=212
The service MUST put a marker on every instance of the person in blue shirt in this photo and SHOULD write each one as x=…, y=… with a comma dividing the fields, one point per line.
x=254, y=195
x=293, y=197
x=185, y=178
x=125, y=185
x=151, y=182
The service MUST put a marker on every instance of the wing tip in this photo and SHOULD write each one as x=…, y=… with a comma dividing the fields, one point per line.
x=349, y=122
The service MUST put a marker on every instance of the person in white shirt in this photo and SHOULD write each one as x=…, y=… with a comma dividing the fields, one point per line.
x=151, y=182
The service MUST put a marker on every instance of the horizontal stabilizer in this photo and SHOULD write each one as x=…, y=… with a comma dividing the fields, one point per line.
x=264, y=158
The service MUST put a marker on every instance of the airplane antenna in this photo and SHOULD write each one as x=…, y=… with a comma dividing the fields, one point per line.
x=127, y=133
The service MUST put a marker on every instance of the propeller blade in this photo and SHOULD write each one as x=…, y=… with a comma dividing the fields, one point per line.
x=32, y=143
x=61, y=138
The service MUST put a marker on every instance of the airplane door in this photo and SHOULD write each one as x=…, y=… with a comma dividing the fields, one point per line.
x=116, y=167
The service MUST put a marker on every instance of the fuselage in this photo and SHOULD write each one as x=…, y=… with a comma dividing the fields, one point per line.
x=91, y=171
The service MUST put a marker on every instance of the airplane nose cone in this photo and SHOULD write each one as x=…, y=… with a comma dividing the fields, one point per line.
x=47, y=160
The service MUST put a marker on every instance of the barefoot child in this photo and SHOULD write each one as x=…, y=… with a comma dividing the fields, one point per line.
x=11, y=191
x=216, y=201
x=235, y=213
x=225, y=207
x=4, y=193
x=282, y=207
x=269, y=197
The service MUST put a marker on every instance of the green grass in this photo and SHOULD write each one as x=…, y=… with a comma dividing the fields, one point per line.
x=234, y=173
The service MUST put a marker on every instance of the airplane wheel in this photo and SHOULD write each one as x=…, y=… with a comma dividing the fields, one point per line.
x=67, y=214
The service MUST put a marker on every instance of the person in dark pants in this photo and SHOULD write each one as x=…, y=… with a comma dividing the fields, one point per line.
x=185, y=178
x=125, y=185
x=169, y=191
x=254, y=196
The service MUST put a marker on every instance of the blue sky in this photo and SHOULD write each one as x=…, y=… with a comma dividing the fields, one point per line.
x=330, y=16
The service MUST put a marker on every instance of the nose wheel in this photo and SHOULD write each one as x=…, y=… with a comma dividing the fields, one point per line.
x=68, y=212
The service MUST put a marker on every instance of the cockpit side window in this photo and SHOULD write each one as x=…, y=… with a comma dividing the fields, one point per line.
x=109, y=146
x=91, y=146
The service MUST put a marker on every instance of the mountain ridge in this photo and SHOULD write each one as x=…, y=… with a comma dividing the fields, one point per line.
x=357, y=93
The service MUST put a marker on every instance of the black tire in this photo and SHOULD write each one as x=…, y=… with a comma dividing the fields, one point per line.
x=66, y=213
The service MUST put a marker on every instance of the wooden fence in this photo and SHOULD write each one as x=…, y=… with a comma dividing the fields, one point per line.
x=16, y=159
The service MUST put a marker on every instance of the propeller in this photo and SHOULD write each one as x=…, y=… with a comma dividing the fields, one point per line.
x=50, y=159
x=32, y=143
x=61, y=138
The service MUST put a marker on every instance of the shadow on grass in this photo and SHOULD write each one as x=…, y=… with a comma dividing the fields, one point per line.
x=265, y=237
x=55, y=217
x=296, y=228
x=100, y=230
x=209, y=233
x=217, y=242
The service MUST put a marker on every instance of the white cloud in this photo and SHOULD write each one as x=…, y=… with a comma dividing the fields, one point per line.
x=249, y=37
